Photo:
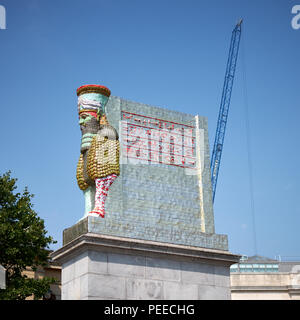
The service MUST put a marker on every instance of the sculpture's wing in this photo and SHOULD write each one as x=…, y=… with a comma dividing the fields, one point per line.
x=103, y=157
x=79, y=174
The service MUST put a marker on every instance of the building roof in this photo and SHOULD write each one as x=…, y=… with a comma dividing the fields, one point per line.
x=258, y=259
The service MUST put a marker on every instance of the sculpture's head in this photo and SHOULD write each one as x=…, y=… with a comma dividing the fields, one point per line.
x=92, y=100
x=88, y=122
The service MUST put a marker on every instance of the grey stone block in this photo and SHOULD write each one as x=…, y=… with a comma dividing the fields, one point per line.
x=214, y=293
x=162, y=269
x=2, y=277
x=97, y=262
x=180, y=291
x=65, y=291
x=222, y=276
x=84, y=286
x=200, y=273
x=68, y=271
x=126, y=265
x=144, y=289
x=106, y=287
x=81, y=264
x=71, y=290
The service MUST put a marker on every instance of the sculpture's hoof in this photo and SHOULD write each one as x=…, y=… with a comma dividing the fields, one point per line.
x=93, y=214
x=97, y=212
x=101, y=214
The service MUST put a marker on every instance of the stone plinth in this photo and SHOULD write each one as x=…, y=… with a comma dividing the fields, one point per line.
x=2, y=278
x=96, y=266
x=117, y=227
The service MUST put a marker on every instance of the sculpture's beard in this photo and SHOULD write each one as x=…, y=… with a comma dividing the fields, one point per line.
x=88, y=130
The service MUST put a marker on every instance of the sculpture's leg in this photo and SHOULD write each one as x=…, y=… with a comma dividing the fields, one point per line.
x=89, y=200
x=102, y=187
x=107, y=183
x=99, y=201
x=110, y=179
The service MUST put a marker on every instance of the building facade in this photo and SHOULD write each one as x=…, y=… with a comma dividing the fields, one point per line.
x=53, y=270
x=261, y=278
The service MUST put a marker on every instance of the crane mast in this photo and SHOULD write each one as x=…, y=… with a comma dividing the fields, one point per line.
x=224, y=107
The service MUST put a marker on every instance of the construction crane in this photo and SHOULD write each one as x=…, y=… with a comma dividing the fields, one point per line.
x=224, y=107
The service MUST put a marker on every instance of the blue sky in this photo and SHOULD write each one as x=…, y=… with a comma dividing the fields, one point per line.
x=165, y=53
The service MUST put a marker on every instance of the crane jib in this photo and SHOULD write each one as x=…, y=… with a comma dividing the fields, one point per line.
x=224, y=107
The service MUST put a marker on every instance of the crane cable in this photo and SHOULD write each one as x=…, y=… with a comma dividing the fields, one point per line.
x=248, y=145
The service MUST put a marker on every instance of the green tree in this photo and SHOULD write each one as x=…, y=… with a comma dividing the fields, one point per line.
x=23, y=242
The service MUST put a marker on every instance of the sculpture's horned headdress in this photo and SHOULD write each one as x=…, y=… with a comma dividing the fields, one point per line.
x=92, y=99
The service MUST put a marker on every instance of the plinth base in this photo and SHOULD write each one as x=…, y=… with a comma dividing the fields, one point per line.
x=98, y=266
x=179, y=235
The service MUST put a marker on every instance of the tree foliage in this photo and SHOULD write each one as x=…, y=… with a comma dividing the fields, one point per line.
x=23, y=242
